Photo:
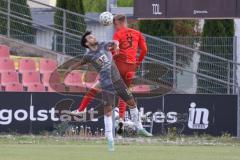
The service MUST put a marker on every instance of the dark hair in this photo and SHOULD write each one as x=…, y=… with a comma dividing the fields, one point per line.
x=84, y=40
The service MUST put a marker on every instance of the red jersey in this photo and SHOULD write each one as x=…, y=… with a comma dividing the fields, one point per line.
x=130, y=41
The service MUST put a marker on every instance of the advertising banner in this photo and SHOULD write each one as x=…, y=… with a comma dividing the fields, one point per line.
x=188, y=114
x=165, y=9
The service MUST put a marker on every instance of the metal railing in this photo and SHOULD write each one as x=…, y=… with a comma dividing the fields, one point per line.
x=183, y=62
x=61, y=35
x=208, y=71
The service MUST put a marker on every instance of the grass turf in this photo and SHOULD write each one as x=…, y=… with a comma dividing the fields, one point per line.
x=54, y=149
x=96, y=152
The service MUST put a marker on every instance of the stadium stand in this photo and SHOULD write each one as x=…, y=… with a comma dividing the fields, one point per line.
x=47, y=65
x=30, y=78
x=19, y=74
x=36, y=87
x=51, y=77
x=4, y=51
x=6, y=64
x=74, y=78
x=90, y=78
x=27, y=65
x=77, y=89
x=9, y=77
x=14, y=87
x=56, y=87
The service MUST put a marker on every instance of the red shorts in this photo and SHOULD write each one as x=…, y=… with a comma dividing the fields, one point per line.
x=127, y=71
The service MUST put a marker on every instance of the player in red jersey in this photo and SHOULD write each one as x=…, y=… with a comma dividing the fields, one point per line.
x=127, y=60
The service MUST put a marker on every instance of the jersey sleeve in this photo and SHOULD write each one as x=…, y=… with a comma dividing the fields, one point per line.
x=109, y=45
x=143, y=46
x=83, y=60
x=115, y=38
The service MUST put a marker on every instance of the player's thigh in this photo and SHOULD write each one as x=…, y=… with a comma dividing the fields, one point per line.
x=122, y=90
x=127, y=71
x=107, y=97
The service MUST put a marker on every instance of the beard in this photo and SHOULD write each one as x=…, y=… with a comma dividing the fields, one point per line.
x=94, y=44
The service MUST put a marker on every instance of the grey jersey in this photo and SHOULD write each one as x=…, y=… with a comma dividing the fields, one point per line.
x=102, y=61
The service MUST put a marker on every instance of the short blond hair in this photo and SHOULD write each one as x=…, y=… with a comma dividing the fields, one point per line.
x=119, y=17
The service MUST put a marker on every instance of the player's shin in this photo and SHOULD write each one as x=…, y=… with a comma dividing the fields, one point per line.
x=135, y=117
x=108, y=127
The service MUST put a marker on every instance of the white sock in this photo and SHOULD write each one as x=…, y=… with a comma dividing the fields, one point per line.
x=108, y=127
x=136, y=118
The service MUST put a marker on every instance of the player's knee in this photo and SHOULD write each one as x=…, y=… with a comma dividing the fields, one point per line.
x=108, y=110
x=132, y=103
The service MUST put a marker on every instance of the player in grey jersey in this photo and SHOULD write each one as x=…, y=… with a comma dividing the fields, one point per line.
x=100, y=57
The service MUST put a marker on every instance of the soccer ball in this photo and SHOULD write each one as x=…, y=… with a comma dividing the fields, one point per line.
x=106, y=18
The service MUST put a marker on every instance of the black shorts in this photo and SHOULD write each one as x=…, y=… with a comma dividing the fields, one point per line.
x=120, y=89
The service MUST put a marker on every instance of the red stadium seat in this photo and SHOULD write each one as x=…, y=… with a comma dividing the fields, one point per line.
x=47, y=65
x=36, y=87
x=9, y=77
x=77, y=89
x=30, y=78
x=56, y=87
x=14, y=87
x=26, y=65
x=141, y=89
x=4, y=51
x=51, y=77
x=6, y=64
x=74, y=78
x=90, y=79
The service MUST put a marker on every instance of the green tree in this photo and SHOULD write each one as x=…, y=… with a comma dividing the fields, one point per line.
x=75, y=24
x=100, y=5
x=94, y=5
x=19, y=29
x=124, y=3
x=157, y=27
x=223, y=31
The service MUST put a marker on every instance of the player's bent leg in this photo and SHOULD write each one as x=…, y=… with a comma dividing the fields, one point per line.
x=127, y=72
x=89, y=97
x=127, y=96
x=122, y=108
x=85, y=102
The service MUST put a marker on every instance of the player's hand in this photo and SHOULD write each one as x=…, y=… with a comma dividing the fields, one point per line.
x=138, y=64
x=116, y=49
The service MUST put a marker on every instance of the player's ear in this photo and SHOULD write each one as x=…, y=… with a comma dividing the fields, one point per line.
x=87, y=43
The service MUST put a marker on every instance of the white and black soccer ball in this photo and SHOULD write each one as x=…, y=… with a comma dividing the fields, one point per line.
x=106, y=18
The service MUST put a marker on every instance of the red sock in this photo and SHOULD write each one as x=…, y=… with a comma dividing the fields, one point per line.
x=87, y=99
x=122, y=108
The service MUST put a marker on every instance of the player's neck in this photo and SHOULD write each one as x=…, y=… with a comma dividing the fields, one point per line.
x=94, y=47
x=122, y=27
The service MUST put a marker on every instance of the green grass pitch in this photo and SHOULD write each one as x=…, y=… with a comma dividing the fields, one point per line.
x=55, y=149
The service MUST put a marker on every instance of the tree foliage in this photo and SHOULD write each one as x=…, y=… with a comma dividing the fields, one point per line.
x=19, y=29
x=74, y=24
